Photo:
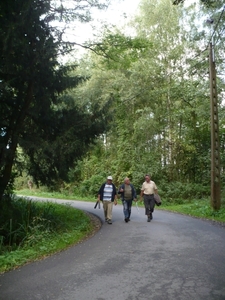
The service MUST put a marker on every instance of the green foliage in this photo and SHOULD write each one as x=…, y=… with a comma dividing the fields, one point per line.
x=148, y=96
x=52, y=130
x=160, y=118
x=23, y=220
x=186, y=191
x=30, y=230
x=120, y=51
x=91, y=186
x=62, y=142
x=197, y=208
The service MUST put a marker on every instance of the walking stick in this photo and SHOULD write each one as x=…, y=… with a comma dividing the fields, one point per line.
x=137, y=206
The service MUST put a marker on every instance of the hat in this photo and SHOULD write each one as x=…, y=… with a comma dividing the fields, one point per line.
x=109, y=178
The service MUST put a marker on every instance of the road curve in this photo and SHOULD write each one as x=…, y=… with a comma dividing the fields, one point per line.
x=174, y=257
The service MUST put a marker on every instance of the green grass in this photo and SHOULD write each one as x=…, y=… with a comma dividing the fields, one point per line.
x=57, y=195
x=51, y=228
x=198, y=208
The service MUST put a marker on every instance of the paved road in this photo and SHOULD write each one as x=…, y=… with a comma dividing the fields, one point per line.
x=172, y=257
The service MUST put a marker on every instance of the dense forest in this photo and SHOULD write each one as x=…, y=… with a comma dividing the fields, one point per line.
x=136, y=102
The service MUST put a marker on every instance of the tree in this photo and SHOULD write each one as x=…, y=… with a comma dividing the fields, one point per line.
x=161, y=99
x=31, y=80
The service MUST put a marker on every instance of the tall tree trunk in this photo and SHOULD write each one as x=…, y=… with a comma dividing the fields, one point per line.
x=8, y=151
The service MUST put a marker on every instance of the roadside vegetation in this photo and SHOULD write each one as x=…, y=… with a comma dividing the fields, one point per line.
x=198, y=208
x=32, y=230
x=181, y=202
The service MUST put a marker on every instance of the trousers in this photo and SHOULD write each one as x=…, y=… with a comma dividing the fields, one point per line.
x=149, y=202
x=127, y=208
x=107, y=207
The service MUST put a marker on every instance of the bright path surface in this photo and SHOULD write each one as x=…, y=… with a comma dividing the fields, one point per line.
x=174, y=257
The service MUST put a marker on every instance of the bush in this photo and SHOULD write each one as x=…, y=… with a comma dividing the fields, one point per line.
x=179, y=193
x=91, y=186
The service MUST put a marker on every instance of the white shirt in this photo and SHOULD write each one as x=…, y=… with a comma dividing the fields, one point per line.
x=107, y=194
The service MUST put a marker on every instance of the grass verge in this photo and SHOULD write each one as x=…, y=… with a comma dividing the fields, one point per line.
x=51, y=228
x=199, y=209
x=57, y=195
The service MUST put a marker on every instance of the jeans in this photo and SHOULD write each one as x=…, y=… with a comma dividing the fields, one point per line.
x=127, y=208
x=149, y=202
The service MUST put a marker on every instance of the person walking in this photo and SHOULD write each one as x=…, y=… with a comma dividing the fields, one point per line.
x=108, y=195
x=148, y=190
x=128, y=194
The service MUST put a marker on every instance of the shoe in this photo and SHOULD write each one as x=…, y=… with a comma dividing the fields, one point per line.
x=149, y=219
x=126, y=220
x=106, y=220
x=109, y=222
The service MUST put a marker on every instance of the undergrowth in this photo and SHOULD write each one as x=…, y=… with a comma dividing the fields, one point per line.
x=30, y=230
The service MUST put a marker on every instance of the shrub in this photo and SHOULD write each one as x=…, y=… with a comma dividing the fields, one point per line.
x=91, y=186
x=179, y=192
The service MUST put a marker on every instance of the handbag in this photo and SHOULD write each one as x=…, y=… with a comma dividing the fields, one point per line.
x=157, y=198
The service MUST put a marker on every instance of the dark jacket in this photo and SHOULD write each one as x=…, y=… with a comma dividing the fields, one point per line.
x=101, y=192
x=134, y=195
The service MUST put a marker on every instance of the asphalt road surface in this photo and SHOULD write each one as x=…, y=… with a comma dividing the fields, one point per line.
x=172, y=257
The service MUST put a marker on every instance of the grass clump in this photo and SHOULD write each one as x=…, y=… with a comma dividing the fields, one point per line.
x=31, y=230
x=197, y=208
